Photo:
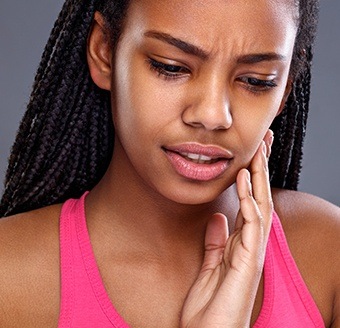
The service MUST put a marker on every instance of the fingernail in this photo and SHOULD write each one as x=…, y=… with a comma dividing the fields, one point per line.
x=248, y=176
x=265, y=157
x=264, y=148
x=250, y=191
x=270, y=144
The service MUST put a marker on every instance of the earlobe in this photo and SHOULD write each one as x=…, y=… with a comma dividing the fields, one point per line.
x=99, y=53
x=286, y=94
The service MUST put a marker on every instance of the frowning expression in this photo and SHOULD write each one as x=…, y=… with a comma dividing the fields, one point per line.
x=196, y=86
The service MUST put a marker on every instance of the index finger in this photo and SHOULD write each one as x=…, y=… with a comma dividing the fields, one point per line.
x=261, y=186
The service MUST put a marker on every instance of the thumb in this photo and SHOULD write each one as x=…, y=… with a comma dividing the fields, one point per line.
x=215, y=241
x=209, y=278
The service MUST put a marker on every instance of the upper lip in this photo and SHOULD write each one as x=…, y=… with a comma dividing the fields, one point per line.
x=211, y=151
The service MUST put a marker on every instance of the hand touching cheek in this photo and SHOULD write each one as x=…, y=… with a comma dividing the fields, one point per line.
x=224, y=293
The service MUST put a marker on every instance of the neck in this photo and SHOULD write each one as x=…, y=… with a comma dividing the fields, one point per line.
x=124, y=209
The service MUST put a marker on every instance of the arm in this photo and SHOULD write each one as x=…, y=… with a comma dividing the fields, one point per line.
x=29, y=269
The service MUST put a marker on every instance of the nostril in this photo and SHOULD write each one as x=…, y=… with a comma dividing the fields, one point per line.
x=194, y=124
x=221, y=127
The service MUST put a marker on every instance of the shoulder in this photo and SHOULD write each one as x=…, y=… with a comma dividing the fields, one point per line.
x=29, y=266
x=308, y=215
x=312, y=229
x=298, y=203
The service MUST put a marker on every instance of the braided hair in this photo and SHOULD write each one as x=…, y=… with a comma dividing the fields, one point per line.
x=290, y=125
x=65, y=140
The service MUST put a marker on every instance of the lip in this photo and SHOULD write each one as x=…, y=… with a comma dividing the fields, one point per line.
x=198, y=171
x=206, y=150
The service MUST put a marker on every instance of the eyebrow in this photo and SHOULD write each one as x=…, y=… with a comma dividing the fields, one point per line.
x=257, y=58
x=204, y=55
x=180, y=44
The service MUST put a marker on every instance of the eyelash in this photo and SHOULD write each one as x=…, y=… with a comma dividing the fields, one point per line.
x=172, y=72
x=257, y=86
x=167, y=71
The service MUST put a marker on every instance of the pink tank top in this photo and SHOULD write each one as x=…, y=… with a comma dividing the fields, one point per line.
x=86, y=304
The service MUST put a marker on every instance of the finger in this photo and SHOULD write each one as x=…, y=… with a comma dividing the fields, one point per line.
x=239, y=220
x=260, y=185
x=249, y=218
x=269, y=139
x=215, y=240
x=212, y=272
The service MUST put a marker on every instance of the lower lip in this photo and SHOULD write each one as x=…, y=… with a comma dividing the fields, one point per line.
x=196, y=171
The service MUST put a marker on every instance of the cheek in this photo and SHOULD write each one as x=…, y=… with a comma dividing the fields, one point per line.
x=143, y=102
x=251, y=125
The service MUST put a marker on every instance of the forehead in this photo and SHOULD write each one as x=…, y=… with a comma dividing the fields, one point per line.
x=209, y=23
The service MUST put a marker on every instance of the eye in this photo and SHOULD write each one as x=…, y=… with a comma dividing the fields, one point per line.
x=256, y=85
x=167, y=71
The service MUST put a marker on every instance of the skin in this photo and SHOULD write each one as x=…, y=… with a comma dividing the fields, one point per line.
x=164, y=113
x=156, y=255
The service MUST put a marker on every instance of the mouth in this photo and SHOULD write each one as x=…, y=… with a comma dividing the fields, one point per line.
x=199, y=158
x=197, y=162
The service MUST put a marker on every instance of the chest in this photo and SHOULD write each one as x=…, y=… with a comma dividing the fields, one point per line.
x=154, y=300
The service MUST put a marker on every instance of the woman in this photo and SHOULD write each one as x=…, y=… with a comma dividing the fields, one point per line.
x=193, y=88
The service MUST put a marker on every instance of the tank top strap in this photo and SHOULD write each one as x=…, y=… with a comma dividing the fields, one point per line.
x=287, y=300
x=84, y=299
x=67, y=237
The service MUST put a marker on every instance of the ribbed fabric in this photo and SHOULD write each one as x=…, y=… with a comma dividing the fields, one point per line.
x=86, y=304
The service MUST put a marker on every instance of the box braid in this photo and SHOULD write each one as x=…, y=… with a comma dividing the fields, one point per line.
x=290, y=127
x=65, y=140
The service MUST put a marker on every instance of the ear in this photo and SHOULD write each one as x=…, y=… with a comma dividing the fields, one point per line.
x=99, y=53
x=288, y=89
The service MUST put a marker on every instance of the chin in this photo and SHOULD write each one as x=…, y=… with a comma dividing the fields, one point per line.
x=195, y=194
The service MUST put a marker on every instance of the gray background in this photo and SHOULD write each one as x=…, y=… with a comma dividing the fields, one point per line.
x=24, y=30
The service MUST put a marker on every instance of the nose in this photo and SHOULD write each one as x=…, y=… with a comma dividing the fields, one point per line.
x=209, y=107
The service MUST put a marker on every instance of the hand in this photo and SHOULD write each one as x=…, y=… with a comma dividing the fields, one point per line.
x=224, y=293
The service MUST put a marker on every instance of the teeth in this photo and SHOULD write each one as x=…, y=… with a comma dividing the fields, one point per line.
x=205, y=158
x=193, y=156
x=197, y=158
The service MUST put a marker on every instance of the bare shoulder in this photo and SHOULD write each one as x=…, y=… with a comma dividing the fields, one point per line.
x=301, y=212
x=312, y=229
x=308, y=217
x=29, y=268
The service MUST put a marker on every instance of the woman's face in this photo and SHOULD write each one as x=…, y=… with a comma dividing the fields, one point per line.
x=196, y=87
